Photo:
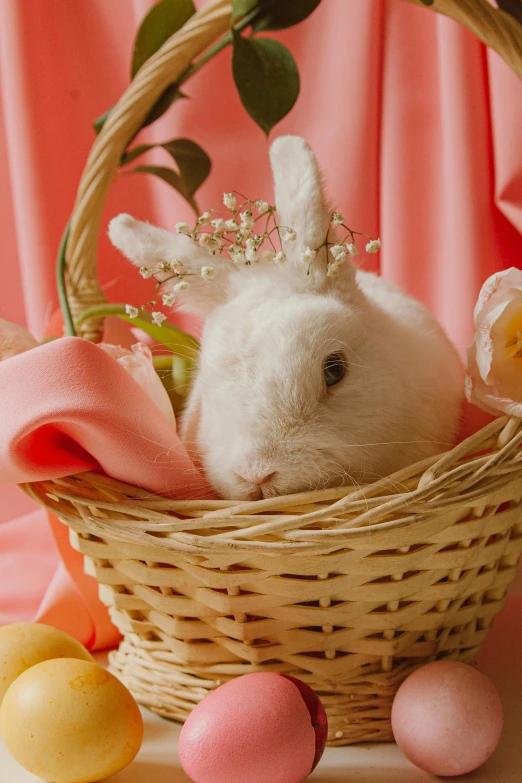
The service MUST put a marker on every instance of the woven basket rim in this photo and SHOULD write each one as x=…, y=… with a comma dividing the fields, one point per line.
x=485, y=464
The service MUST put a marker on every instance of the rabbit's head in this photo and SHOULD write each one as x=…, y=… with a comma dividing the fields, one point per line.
x=292, y=391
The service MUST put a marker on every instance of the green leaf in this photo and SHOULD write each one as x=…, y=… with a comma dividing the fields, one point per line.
x=167, y=334
x=193, y=162
x=266, y=77
x=166, y=99
x=101, y=120
x=169, y=176
x=274, y=14
x=135, y=152
x=164, y=102
x=242, y=8
x=162, y=21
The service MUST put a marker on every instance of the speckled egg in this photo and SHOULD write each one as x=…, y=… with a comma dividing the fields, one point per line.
x=70, y=721
x=23, y=645
x=256, y=728
x=447, y=718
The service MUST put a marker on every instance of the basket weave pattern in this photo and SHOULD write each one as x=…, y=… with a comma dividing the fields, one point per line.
x=347, y=590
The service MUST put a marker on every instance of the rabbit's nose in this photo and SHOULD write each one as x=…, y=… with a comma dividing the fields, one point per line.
x=257, y=482
x=256, y=478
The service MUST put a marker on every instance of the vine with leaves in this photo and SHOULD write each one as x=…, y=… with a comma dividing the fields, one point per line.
x=267, y=79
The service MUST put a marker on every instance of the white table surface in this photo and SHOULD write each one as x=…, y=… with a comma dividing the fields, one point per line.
x=501, y=660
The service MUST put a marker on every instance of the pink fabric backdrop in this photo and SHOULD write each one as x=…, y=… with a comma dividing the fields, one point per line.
x=416, y=125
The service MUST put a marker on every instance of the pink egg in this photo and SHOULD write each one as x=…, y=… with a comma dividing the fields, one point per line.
x=447, y=718
x=257, y=728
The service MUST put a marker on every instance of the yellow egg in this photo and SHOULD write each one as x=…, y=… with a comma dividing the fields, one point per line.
x=70, y=721
x=22, y=645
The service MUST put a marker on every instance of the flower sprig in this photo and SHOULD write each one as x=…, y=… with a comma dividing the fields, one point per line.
x=243, y=231
x=346, y=247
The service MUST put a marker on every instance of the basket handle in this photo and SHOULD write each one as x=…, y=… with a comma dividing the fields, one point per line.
x=163, y=68
x=495, y=28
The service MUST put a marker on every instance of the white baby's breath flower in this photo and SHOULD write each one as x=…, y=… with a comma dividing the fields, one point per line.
x=251, y=255
x=229, y=200
x=279, y=258
x=373, y=246
x=168, y=299
x=158, y=318
x=206, y=240
x=251, y=244
x=308, y=255
x=182, y=228
x=332, y=270
x=232, y=224
x=246, y=218
x=219, y=224
x=337, y=219
x=338, y=251
x=176, y=266
x=131, y=311
x=204, y=219
x=289, y=235
x=163, y=266
x=352, y=249
x=181, y=286
x=207, y=272
x=269, y=255
x=261, y=206
x=238, y=256
x=245, y=231
x=145, y=272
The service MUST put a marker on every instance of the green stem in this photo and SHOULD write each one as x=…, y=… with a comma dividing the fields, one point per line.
x=218, y=47
x=60, y=268
x=168, y=334
x=163, y=361
x=60, y=281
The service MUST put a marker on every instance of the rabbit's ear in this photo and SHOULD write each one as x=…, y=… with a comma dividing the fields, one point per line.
x=299, y=194
x=147, y=246
x=301, y=205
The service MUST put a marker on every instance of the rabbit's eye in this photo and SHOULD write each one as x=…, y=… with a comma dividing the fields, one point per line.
x=334, y=368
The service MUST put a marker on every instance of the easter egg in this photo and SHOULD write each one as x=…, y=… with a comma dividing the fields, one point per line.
x=447, y=718
x=70, y=721
x=255, y=728
x=23, y=645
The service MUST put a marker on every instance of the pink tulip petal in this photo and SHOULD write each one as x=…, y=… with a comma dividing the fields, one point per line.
x=138, y=363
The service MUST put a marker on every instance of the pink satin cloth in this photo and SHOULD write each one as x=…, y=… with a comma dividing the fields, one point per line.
x=68, y=407
x=415, y=124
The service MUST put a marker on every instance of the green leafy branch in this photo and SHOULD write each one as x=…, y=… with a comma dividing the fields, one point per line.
x=265, y=74
x=267, y=80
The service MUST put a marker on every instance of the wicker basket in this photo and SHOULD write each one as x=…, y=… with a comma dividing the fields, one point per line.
x=349, y=591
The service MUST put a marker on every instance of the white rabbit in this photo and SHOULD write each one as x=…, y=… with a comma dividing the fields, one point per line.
x=305, y=381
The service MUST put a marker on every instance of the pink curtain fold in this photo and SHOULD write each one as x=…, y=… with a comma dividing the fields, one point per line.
x=417, y=126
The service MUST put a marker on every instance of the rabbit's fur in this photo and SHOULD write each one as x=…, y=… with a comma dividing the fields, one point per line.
x=259, y=405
